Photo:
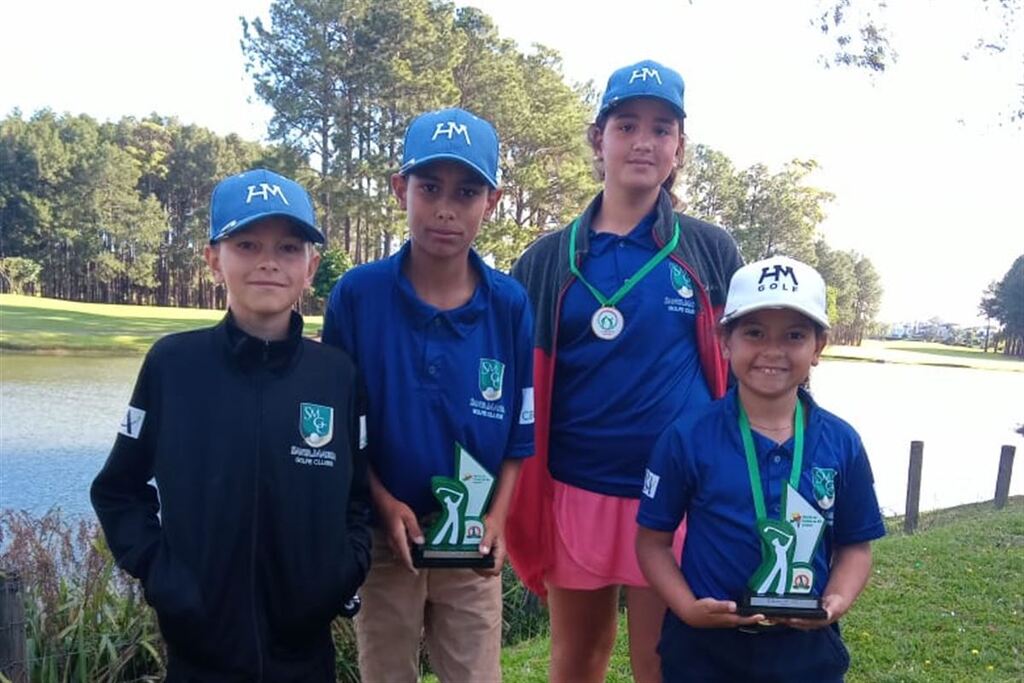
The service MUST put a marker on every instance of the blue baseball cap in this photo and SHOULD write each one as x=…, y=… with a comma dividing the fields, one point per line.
x=258, y=193
x=452, y=134
x=644, y=79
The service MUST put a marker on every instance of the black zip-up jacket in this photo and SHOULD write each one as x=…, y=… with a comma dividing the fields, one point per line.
x=261, y=536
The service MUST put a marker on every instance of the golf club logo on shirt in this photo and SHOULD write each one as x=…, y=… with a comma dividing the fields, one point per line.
x=681, y=281
x=824, y=479
x=316, y=424
x=682, y=287
x=492, y=375
x=449, y=129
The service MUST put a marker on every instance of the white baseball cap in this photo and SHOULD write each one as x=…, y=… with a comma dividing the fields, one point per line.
x=776, y=282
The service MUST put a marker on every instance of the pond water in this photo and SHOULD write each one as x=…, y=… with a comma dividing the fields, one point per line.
x=59, y=415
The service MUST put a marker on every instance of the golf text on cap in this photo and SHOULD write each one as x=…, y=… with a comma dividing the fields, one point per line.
x=265, y=191
x=777, y=272
x=643, y=73
x=451, y=128
x=777, y=282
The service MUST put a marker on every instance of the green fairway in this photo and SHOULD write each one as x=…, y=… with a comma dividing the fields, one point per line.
x=924, y=353
x=50, y=325
x=36, y=324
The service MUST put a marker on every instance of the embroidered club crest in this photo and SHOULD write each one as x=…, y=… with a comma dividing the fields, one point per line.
x=824, y=486
x=492, y=374
x=681, y=281
x=316, y=424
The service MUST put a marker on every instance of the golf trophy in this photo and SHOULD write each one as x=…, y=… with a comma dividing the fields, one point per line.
x=781, y=586
x=454, y=539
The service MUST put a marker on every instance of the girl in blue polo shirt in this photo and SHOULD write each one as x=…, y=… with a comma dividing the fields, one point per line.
x=443, y=343
x=778, y=496
x=625, y=302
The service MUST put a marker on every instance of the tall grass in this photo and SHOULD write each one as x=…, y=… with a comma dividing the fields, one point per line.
x=87, y=621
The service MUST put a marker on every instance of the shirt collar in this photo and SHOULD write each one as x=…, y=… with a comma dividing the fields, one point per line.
x=662, y=229
x=462, y=319
x=812, y=415
x=640, y=235
x=251, y=352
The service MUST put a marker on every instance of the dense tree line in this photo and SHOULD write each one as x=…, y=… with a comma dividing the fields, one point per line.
x=1003, y=301
x=772, y=213
x=117, y=212
x=113, y=212
x=344, y=78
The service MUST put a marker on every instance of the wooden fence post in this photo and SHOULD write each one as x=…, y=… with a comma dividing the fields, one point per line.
x=12, y=629
x=1003, y=478
x=913, y=487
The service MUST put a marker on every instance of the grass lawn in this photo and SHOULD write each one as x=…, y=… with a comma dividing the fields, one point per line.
x=53, y=326
x=924, y=353
x=50, y=325
x=946, y=604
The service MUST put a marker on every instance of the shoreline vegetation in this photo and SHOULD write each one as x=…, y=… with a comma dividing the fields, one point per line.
x=943, y=604
x=38, y=325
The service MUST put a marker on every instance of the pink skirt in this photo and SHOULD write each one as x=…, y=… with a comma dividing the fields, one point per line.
x=595, y=540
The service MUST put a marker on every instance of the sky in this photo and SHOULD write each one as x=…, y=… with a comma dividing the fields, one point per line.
x=927, y=170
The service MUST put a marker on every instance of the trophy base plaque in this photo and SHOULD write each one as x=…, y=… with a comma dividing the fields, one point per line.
x=436, y=558
x=801, y=606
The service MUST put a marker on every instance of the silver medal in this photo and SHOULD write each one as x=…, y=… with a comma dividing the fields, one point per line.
x=607, y=322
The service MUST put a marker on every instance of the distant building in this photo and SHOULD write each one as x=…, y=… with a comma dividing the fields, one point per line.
x=928, y=330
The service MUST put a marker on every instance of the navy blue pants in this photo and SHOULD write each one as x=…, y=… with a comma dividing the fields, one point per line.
x=319, y=669
x=776, y=655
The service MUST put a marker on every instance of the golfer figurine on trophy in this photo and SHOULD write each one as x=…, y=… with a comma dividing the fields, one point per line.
x=454, y=539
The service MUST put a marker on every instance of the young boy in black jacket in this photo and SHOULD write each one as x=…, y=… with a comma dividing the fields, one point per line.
x=254, y=437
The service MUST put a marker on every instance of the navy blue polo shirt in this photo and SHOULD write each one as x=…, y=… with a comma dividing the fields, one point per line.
x=434, y=378
x=698, y=469
x=612, y=399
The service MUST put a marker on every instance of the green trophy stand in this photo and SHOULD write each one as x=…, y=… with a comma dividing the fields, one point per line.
x=454, y=539
x=781, y=586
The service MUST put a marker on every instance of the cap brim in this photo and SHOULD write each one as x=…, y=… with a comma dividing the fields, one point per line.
x=308, y=231
x=420, y=163
x=740, y=312
x=614, y=103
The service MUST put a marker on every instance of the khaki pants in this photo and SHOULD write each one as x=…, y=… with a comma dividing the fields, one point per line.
x=457, y=612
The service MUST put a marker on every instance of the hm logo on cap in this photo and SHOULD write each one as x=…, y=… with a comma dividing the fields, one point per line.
x=451, y=128
x=265, y=191
x=645, y=73
x=777, y=273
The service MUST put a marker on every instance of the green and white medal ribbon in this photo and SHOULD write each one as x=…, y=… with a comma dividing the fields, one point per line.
x=787, y=543
x=607, y=321
x=751, y=453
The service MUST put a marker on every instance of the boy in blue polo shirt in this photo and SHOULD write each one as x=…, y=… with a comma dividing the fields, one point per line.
x=778, y=496
x=445, y=344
